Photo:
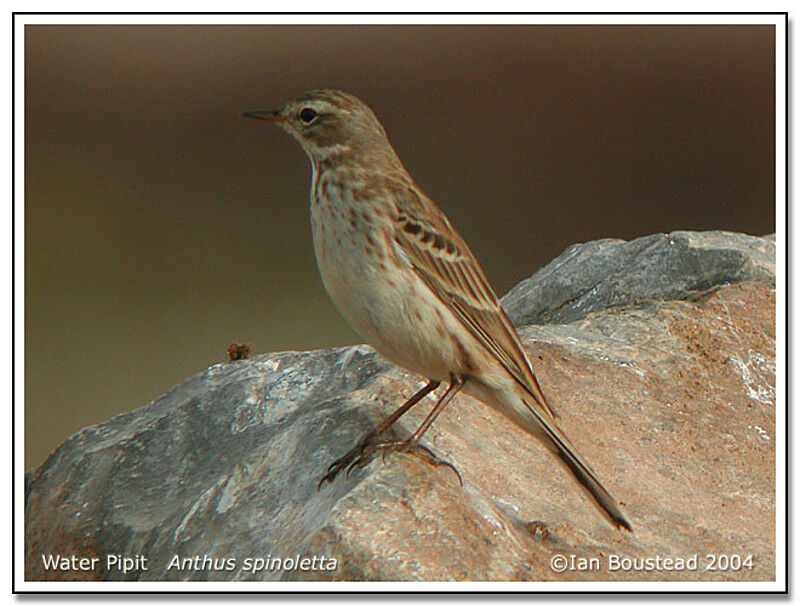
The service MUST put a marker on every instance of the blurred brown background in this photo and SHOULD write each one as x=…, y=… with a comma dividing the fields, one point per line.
x=160, y=225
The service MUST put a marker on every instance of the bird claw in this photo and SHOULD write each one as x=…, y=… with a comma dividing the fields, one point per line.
x=355, y=456
x=426, y=454
x=362, y=453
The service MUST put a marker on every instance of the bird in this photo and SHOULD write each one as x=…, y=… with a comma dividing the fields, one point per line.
x=406, y=281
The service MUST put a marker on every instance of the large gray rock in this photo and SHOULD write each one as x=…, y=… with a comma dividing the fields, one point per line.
x=669, y=395
x=614, y=273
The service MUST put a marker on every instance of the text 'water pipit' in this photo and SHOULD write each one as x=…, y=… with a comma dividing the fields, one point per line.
x=408, y=283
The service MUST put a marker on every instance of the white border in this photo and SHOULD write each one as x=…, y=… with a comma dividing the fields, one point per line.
x=436, y=19
x=357, y=587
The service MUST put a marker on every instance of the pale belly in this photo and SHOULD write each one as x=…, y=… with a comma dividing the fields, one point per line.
x=386, y=304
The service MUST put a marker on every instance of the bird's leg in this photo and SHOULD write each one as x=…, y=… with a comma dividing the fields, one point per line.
x=412, y=445
x=455, y=386
x=361, y=454
x=357, y=452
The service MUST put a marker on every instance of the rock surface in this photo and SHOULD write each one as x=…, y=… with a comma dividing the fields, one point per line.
x=607, y=274
x=658, y=354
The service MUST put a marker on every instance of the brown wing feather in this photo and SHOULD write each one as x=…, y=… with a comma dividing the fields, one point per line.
x=444, y=262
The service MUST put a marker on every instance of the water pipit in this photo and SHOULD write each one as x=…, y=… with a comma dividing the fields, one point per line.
x=408, y=283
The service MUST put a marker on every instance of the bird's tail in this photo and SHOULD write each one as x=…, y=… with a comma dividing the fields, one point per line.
x=607, y=504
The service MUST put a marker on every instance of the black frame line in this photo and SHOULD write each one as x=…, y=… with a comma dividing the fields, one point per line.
x=336, y=594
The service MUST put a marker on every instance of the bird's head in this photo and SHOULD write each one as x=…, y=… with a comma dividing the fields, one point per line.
x=329, y=122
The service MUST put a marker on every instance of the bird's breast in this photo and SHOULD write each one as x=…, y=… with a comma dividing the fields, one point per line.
x=352, y=250
x=381, y=297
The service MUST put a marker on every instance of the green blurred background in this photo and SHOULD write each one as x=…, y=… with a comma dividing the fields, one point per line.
x=160, y=225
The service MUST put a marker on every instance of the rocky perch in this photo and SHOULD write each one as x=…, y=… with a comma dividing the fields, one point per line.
x=658, y=354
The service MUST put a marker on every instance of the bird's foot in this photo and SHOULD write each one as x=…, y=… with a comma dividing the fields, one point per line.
x=418, y=450
x=356, y=456
x=363, y=452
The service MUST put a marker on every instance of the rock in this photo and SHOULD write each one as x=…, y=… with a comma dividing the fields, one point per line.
x=614, y=273
x=667, y=387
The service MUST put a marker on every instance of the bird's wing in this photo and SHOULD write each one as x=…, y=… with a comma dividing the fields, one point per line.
x=444, y=262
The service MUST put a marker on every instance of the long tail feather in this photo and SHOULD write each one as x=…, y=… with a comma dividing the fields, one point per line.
x=607, y=504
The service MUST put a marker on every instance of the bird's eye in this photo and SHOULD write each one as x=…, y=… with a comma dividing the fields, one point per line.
x=307, y=115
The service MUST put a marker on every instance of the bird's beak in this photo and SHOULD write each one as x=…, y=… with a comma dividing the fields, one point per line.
x=273, y=115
